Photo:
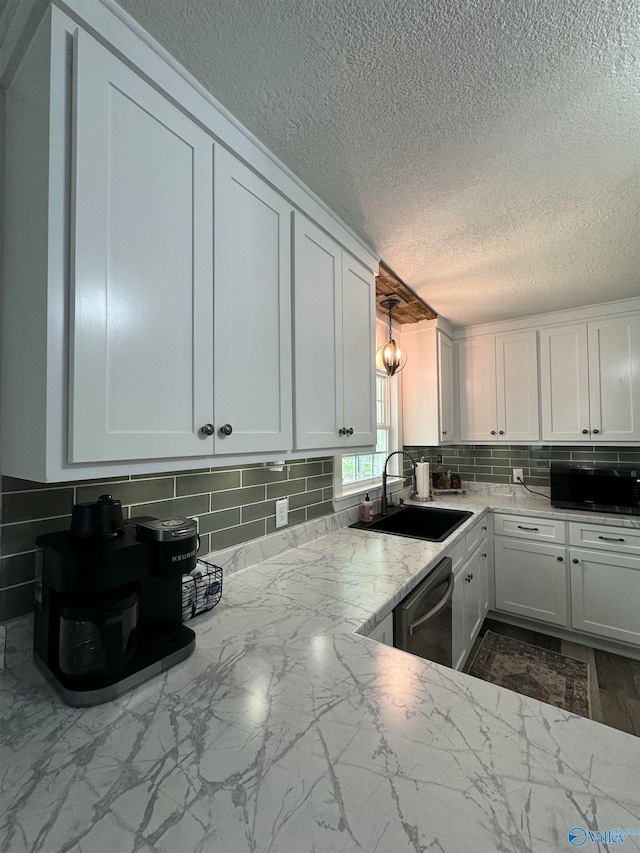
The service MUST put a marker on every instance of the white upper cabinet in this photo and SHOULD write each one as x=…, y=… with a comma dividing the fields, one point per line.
x=334, y=343
x=427, y=385
x=498, y=387
x=252, y=309
x=150, y=269
x=141, y=364
x=590, y=381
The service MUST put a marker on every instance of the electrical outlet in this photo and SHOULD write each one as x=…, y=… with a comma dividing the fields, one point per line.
x=282, y=512
x=197, y=521
x=518, y=475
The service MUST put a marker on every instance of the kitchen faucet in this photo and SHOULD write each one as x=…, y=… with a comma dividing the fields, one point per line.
x=383, y=502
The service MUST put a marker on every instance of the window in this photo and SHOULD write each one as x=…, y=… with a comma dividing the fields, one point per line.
x=365, y=468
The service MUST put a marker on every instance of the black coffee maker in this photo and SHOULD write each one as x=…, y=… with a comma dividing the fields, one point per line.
x=108, y=602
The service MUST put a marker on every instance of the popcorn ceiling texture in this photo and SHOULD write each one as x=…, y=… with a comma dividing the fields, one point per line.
x=488, y=150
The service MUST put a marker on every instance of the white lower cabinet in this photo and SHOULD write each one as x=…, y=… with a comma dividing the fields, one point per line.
x=605, y=595
x=383, y=632
x=531, y=580
x=470, y=598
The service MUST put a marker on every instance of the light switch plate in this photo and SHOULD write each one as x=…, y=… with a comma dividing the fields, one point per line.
x=282, y=512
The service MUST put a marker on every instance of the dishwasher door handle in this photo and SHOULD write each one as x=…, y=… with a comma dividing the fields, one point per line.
x=446, y=598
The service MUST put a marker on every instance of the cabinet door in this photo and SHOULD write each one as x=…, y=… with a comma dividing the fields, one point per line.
x=252, y=311
x=614, y=379
x=421, y=422
x=564, y=383
x=531, y=580
x=477, y=389
x=517, y=386
x=358, y=359
x=141, y=269
x=460, y=647
x=475, y=595
x=447, y=432
x=605, y=591
x=317, y=337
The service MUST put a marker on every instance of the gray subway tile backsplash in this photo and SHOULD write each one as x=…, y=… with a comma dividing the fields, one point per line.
x=233, y=505
x=495, y=464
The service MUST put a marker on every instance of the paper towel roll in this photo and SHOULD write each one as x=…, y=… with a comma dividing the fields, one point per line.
x=423, y=481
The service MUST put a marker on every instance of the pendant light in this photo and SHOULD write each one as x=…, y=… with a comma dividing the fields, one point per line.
x=390, y=356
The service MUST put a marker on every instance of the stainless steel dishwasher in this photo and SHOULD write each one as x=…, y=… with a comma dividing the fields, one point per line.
x=422, y=621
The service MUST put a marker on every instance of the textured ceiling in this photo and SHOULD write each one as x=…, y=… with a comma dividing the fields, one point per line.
x=488, y=151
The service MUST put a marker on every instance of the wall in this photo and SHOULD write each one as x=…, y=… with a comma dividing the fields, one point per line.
x=233, y=505
x=491, y=464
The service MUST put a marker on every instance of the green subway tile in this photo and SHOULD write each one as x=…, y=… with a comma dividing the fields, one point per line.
x=253, y=512
x=17, y=538
x=304, y=499
x=236, y=535
x=632, y=456
x=318, y=510
x=204, y=544
x=289, y=487
x=22, y=506
x=259, y=476
x=19, y=569
x=237, y=497
x=304, y=469
x=502, y=454
x=493, y=478
x=537, y=481
x=590, y=456
x=323, y=481
x=194, y=505
x=219, y=520
x=195, y=484
x=327, y=494
x=298, y=516
x=15, y=601
x=498, y=469
x=327, y=467
x=131, y=492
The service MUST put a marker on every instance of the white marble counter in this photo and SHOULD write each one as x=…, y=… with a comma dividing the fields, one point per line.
x=287, y=732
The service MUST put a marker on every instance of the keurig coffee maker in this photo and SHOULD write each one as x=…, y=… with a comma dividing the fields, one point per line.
x=108, y=603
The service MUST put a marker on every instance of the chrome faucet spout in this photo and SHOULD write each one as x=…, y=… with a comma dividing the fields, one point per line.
x=384, y=505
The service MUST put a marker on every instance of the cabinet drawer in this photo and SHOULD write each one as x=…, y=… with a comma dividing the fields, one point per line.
x=458, y=555
x=529, y=527
x=477, y=533
x=622, y=540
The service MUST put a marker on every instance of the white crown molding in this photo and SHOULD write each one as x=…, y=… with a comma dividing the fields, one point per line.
x=553, y=318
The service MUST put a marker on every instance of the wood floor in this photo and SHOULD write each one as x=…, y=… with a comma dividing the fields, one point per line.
x=614, y=680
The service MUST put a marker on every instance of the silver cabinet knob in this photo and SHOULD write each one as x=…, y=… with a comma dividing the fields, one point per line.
x=444, y=432
x=350, y=431
x=226, y=429
x=342, y=431
x=207, y=429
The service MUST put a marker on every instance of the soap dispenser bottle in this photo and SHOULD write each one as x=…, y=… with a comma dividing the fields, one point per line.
x=366, y=509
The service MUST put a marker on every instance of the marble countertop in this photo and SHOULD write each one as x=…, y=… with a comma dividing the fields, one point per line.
x=285, y=731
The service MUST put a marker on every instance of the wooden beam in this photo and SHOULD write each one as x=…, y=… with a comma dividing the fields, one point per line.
x=411, y=308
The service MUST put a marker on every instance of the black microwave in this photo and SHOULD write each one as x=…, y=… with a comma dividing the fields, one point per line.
x=603, y=489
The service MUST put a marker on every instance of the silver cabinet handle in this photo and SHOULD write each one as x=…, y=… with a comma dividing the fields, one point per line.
x=350, y=431
x=610, y=539
x=531, y=529
x=207, y=429
x=226, y=429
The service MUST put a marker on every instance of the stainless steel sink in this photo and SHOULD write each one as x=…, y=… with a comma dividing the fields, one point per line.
x=433, y=524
